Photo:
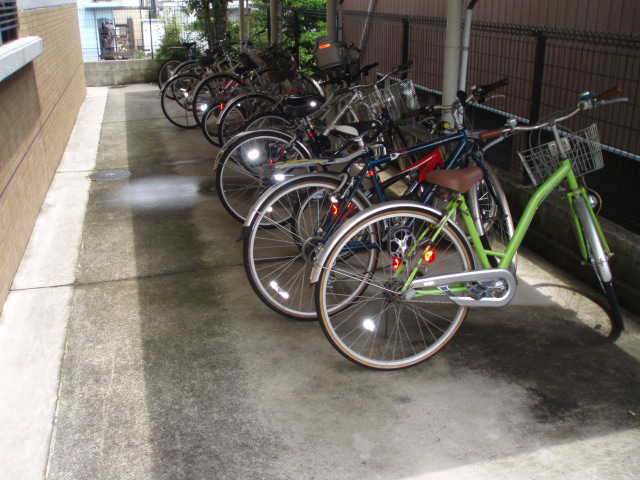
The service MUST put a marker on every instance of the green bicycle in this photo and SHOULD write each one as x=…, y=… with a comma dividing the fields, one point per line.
x=395, y=282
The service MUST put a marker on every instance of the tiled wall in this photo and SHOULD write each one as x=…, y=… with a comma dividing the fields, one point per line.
x=38, y=108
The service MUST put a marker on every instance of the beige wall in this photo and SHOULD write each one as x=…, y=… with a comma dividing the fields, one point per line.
x=38, y=108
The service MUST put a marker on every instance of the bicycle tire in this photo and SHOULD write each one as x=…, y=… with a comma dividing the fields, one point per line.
x=243, y=169
x=167, y=70
x=599, y=259
x=269, y=120
x=214, y=90
x=239, y=110
x=188, y=66
x=492, y=216
x=301, y=85
x=176, y=99
x=379, y=327
x=280, y=240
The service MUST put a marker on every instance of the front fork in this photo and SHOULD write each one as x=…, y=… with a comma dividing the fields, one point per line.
x=588, y=231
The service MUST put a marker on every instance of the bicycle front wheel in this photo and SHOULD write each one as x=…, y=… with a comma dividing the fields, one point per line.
x=214, y=92
x=284, y=238
x=238, y=111
x=598, y=256
x=245, y=168
x=176, y=100
x=167, y=70
x=366, y=310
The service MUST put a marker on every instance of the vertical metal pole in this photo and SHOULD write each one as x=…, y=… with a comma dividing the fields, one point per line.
x=466, y=39
x=243, y=30
x=405, y=43
x=538, y=76
x=339, y=22
x=452, y=54
x=151, y=33
x=332, y=30
x=296, y=32
x=372, y=6
x=270, y=33
x=274, y=21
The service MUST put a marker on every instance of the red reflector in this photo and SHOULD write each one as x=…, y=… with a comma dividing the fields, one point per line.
x=429, y=256
x=371, y=173
x=323, y=46
x=221, y=106
x=396, y=262
x=335, y=210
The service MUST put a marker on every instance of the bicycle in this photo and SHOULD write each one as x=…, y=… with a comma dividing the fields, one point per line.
x=395, y=282
x=220, y=124
x=239, y=181
x=291, y=222
x=189, y=93
x=170, y=66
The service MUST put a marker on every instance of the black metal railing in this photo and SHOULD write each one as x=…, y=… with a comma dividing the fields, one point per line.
x=547, y=69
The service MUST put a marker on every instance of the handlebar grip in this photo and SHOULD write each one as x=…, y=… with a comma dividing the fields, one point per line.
x=491, y=134
x=612, y=92
x=482, y=90
x=404, y=66
x=366, y=68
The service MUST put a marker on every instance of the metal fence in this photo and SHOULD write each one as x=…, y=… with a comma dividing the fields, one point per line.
x=121, y=33
x=547, y=70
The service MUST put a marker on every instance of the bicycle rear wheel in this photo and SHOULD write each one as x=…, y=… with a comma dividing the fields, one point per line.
x=364, y=310
x=176, y=100
x=283, y=239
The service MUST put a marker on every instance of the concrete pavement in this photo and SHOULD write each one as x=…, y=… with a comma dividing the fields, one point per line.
x=132, y=347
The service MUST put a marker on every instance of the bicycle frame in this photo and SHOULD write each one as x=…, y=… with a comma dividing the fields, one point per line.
x=583, y=218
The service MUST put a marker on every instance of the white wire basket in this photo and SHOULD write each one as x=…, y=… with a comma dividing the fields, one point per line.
x=583, y=149
x=398, y=99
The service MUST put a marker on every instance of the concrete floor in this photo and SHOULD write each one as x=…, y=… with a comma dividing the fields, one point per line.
x=132, y=347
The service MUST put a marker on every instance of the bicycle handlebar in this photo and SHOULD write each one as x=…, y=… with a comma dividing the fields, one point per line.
x=612, y=92
x=601, y=99
x=483, y=90
x=395, y=71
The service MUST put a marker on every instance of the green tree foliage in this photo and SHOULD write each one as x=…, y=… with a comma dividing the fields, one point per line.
x=171, y=39
x=213, y=14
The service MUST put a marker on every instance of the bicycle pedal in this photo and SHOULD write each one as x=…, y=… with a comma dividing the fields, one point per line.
x=477, y=291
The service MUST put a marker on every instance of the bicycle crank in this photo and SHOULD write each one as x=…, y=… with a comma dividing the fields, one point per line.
x=486, y=288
